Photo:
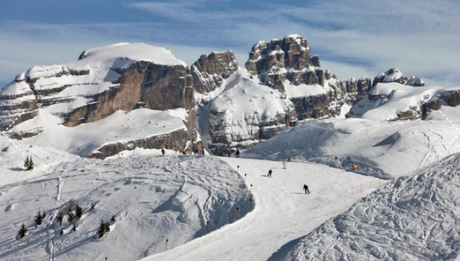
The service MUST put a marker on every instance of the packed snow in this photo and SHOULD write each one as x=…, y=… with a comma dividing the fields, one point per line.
x=283, y=212
x=411, y=218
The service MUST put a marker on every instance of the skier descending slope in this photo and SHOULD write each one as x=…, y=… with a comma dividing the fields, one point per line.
x=163, y=152
x=237, y=153
x=269, y=174
x=305, y=187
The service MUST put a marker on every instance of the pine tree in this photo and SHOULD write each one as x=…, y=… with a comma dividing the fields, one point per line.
x=22, y=231
x=78, y=211
x=31, y=164
x=61, y=232
x=70, y=216
x=59, y=218
x=102, y=229
x=107, y=227
x=38, y=219
x=27, y=163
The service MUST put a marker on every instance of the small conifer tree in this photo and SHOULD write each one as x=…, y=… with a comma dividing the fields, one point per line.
x=70, y=216
x=39, y=219
x=59, y=218
x=102, y=229
x=78, y=211
x=22, y=231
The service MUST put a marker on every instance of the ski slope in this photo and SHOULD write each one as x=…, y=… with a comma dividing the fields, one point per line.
x=282, y=213
x=412, y=218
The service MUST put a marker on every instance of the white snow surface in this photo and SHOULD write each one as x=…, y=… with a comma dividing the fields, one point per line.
x=394, y=98
x=153, y=198
x=85, y=138
x=412, y=218
x=382, y=149
x=283, y=212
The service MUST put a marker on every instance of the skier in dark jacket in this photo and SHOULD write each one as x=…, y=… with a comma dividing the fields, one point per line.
x=269, y=174
x=237, y=153
x=305, y=187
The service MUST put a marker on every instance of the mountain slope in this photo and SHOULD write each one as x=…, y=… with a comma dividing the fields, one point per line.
x=411, y=218
x=381, y=149
x=153, y=198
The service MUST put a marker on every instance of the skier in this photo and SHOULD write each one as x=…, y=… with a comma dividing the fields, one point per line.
x=337, y=162
x=269, y=174
x=305, y=187
x=237, y=153
x=284, y=164
x=163, y=152
x=354, y=167
x=229, y=153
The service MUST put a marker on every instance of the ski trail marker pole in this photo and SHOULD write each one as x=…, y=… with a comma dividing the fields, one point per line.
x=237, y=213
x=245, y=177
x=167, y=240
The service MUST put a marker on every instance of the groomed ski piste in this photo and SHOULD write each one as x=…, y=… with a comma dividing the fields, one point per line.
x=282, y=212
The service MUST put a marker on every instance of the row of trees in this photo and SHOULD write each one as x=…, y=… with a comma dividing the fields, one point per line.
x=74, y=213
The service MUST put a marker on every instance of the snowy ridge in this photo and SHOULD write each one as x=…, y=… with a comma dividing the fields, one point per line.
x=374, y=146
x=152, y=199
x=411, y=218
x=392, y=101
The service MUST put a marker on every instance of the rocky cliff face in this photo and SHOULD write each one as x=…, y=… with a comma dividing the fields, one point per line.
x=302, y=89
x=109, y=79
x=209, y=72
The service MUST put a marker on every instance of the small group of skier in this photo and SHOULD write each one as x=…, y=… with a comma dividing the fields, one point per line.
x=229, y=153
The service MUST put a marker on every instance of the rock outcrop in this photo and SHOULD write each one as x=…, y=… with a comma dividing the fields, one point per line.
x=209, y=72
x=395, y=75
x=301, y=88
x=394, y=97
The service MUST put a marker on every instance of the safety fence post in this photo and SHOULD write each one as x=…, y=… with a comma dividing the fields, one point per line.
x=207, y=226
x=167, y=240
x=237, y=213
x=250, y=202
x=238, y=168
x=245, y=177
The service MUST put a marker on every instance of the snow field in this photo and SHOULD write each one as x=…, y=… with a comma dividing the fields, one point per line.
x=152, y=198
x=412, y=218
x=282, y=211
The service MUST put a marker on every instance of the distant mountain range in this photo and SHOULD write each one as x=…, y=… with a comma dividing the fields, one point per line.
x=123, y=96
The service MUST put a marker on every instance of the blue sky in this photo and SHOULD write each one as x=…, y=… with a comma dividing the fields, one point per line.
x=352, y=37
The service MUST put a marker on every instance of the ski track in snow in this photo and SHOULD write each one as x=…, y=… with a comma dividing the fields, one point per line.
x=282, y=212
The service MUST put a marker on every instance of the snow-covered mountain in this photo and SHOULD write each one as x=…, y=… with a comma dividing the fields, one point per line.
x=221, y=106
x=78, y=98
x=411, y=218
x=394, y=97
x=379, y=148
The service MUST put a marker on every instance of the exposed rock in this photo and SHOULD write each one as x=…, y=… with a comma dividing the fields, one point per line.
x=172, y=141
x=209, y=71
